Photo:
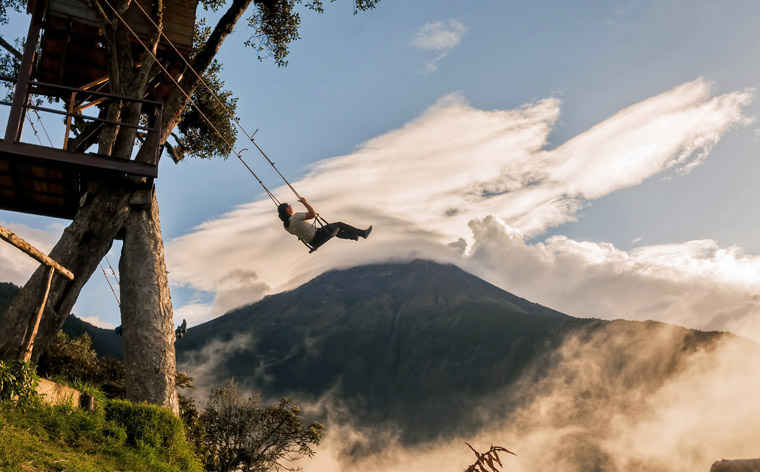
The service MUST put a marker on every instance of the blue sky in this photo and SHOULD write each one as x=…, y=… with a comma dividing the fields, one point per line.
x=354, y=78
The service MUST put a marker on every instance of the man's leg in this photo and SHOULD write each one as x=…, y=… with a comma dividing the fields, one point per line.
x=346, y=231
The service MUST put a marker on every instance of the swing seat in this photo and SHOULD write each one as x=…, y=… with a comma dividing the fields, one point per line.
x=314, y=245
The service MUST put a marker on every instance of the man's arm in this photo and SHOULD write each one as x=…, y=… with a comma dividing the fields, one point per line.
x=311, y=213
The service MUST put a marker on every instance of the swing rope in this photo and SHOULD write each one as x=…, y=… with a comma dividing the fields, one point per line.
x=193, y=102
x=218, y=100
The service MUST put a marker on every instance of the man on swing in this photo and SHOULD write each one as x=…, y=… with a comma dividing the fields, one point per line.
x=299, y=225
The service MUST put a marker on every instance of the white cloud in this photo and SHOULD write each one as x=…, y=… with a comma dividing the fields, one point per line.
x=95, y=321
x=696, y=284
x=439, y=37
x=431, y=183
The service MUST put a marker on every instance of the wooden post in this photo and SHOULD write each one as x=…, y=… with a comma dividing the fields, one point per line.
x=33, y=335
x=69, y=116
x=21, y=92
x=33, y=252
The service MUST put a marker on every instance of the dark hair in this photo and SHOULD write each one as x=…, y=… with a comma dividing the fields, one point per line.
x=282, y=212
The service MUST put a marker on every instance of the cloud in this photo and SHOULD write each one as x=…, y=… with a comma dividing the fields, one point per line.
x=203, y=365
x=428, y=185
x=95, y=321
x=15, y=266
x=592, y=411
x=438, y=37
x=697, y=284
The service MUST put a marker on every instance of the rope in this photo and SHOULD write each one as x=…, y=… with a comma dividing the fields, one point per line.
x=110, y=285
x=42, y=123
x=36, y=134
x=113, y=272
x=216, y=97
x=190, y=99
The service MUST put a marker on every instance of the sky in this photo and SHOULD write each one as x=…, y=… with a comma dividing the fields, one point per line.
x=599, y=158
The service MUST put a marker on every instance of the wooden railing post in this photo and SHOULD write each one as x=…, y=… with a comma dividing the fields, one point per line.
x=69, y=116
x=21, y=92
x=33, y=334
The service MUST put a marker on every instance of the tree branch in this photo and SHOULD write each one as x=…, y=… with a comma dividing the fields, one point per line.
x=177, y=101
x=5, y=44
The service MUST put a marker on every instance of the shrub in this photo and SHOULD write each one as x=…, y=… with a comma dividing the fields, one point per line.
x=18, y=380
x=151, y=426
x=239, y=433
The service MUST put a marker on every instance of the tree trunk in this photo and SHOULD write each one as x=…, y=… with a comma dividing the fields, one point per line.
x=146, y=310
x=81, y=247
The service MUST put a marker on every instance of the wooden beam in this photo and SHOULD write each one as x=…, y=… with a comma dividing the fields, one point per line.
x=95, y=83
x=10, y=237
x=33, y=335
x=21, y=92
x=11, y=49
x=27, y=151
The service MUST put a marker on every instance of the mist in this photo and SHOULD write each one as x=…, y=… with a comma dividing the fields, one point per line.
x=648, y=410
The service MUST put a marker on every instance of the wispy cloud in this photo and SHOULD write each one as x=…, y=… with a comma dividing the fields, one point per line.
x=438, y=37
x=428, y=186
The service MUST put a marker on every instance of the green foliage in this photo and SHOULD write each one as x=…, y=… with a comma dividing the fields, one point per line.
x=61, y=438
x=18, y=380
x=275, y=25
x=153, y=427
x=70, y=358
x=10, y=5
x=237, y=432
x=145, y=424
x=74, y=361
x=194, y=136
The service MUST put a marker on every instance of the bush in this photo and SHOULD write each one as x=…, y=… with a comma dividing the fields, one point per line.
x=239, y=433
x=75, y=360
x=18, y=380
x=63, y=438
x=152, y=426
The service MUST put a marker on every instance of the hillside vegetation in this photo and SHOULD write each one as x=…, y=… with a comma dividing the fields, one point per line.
x=117, y=436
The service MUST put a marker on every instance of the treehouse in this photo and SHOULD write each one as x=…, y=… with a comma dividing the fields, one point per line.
x=65, y=59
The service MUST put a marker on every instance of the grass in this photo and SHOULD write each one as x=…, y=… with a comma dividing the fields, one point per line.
x=41, y=438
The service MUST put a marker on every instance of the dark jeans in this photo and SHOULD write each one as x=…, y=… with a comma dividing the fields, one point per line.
x=345, y=231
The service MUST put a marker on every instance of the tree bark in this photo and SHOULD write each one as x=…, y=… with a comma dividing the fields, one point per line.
x=146, y=310
x=81, y=247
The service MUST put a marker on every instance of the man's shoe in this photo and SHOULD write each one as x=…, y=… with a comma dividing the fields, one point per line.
x=365, y=233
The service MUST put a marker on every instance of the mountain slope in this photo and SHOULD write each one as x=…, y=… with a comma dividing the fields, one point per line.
x=421, y=346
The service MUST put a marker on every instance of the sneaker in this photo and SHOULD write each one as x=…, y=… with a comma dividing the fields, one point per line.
x=365, y=233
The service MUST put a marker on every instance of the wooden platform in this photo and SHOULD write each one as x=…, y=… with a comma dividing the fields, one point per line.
x=50, y=182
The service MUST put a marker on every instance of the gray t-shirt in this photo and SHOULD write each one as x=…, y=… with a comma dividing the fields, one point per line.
x=301, y=227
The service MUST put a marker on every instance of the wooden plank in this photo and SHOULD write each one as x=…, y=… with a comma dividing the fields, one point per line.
x=76, y=9
x=33, y=252
x=16, y=203
x=24, y=150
